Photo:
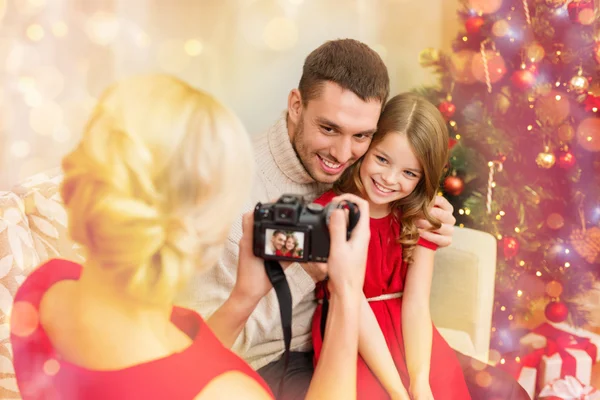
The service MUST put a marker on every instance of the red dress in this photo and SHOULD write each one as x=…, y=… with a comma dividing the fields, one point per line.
x=386, y=273
x=41, y=374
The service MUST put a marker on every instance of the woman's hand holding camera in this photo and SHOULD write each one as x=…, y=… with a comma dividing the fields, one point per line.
x=252, y=282
x=348, y=258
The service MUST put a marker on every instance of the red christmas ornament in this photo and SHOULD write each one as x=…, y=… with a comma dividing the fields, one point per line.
x=523, y=79
x=451, y=143
x=591, y=102
x=556, y=311
x=510, y=247
x=454, y=185
x=473, y=25
x=580, y=11
x=566, y=160
x=447, y=109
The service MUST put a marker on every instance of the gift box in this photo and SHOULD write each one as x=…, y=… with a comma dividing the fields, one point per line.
x=526, y=375
x=569, y=388
x=559, y=352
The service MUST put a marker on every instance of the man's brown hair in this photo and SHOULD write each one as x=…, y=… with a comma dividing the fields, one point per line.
x=349, y=63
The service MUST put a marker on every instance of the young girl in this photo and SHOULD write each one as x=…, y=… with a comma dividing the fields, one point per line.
x=291, y=246
x=399, y=177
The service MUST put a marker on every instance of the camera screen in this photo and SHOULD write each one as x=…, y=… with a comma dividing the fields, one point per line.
x=284, y=243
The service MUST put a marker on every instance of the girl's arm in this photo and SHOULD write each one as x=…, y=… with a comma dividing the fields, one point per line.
x=417, y=327
x=374, y=350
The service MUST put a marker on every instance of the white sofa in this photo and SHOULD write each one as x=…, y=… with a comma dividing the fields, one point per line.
x=462, y=292
x=33, y=229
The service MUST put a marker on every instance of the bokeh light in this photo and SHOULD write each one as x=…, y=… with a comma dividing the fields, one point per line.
x=45, y=118
x=51, y=367
x=20, y=149
x=24, y=319
x=48, y=81
x=60, y=29
x=35, y=32
x=193, y=47
x=2, y=9
x=102, y=28
x=280, y=34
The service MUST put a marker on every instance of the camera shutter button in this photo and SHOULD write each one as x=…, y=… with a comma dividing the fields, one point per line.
x=314, y=208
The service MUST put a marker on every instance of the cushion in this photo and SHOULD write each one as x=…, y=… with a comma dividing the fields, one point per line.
x=18, y=258
x=47, y=217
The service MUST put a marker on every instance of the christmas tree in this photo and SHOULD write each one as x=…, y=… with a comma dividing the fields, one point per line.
x=521, y=93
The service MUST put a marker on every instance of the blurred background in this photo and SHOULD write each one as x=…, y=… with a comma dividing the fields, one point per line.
x=518, y=82
x=58, y=55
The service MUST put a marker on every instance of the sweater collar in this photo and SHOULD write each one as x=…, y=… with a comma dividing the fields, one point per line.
x=285, y=156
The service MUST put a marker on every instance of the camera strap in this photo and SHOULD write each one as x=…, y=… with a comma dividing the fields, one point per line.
x=324, y=312
x=284, y=297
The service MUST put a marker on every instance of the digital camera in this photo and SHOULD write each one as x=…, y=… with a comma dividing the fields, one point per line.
x=293, y=230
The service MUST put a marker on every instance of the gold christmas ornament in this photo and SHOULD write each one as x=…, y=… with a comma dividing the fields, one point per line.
x=565, y=132
x=587, y=243
x=501, y=28
x=545, y=159
x=597, y=52
x=535, y=52
x=579, y=83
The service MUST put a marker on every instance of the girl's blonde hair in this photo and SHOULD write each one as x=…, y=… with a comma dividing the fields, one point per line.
x=425, y=128
x=152, y=187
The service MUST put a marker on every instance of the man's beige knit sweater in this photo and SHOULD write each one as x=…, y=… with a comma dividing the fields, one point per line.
x=278, y=171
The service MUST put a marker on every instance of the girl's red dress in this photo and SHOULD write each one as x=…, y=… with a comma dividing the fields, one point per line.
x=386, y=274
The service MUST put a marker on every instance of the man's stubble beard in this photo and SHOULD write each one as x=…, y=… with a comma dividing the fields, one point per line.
x=300, y=148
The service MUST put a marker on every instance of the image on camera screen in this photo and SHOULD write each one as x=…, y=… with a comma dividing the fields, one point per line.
x=279, y=242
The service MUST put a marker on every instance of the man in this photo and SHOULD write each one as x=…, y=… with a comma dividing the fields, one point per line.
x=277, y=242
x=328, y=125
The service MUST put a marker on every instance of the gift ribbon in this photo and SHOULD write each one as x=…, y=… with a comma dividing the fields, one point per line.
x=558, y=341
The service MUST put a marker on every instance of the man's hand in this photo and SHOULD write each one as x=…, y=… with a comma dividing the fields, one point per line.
x=442, y=210
x=317, y=271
